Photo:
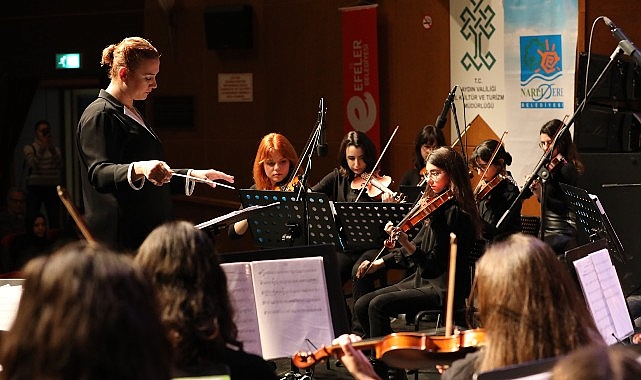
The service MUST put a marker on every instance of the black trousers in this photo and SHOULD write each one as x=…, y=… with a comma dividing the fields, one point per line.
x=375, y=309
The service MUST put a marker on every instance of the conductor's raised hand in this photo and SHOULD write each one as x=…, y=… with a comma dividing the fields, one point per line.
x=157, y=172
x=212, y=175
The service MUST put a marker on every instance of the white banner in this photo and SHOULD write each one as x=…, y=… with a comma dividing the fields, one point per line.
x=514, y=62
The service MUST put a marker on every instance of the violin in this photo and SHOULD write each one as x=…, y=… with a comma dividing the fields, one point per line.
x=427, y=207
x=406, y=349
x=376, y=185
x=291, y=185
x=484, y=187
x=556, y=162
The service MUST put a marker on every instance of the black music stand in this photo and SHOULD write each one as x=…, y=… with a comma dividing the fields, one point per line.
x=363, y=223
x=292, y=222
x=593, y=220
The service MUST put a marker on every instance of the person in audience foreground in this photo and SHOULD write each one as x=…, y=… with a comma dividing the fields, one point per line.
x=191, y=289
x=85, y=313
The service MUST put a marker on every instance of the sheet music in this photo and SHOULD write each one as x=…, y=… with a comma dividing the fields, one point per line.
x=292, y=305
x=613, y=294
x=604, y=296
x=9, y=300
x=241, y=292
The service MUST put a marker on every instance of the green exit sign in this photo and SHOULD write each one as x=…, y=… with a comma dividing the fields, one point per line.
x=68, y=61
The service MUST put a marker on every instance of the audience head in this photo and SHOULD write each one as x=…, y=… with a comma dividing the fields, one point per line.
x=191, y=289
x=598, y=362
x=356, y=151
x=275, y=160
x=85, y=313
x=36, y=226
x=427, y=139
x=528, y=303
x=42, y=128
x=16, y=205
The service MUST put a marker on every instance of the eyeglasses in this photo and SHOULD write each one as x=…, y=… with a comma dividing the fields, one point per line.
x=433, y=175
x=479, y=166
x=545, y=144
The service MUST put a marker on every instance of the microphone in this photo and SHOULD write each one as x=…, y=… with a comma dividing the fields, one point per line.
x=624, y=42
x=442, y=118
x=321, y=145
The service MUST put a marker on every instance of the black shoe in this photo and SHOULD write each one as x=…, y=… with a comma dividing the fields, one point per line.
x=380, y=368
x=396, y=374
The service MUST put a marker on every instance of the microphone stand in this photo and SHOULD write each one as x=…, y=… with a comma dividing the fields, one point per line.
x=541, y=171
x=312, y=141
x=458, y=132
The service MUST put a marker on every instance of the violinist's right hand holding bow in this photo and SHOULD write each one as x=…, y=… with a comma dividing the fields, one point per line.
x=354, y=360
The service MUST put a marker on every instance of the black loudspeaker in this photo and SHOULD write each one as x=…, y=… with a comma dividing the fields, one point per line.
x=615, y=178
x=229, y=27
x=606, y=129
x=619, y=83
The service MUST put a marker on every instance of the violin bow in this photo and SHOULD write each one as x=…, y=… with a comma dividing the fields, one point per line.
x=450, y=287
x=77, y=218
x=371, y=172
x=462, y=134
x=496, y=150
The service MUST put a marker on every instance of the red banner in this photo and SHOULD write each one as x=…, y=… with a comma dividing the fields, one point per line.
x=360, y=71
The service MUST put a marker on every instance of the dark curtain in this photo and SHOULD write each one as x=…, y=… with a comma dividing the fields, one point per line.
x=16, y=95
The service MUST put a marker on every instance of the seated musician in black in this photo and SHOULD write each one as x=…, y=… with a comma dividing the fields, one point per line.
x=496, y=191
x=429, y=251
x=558, y=220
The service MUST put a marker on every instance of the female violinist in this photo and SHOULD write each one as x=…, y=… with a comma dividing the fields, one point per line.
x=275, y=160
x=356, y=155
x=497, y=191
x=427, y=139
x=565, y=167
x=428, y=252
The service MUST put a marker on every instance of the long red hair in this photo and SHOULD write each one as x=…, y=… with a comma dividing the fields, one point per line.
x=273, y=142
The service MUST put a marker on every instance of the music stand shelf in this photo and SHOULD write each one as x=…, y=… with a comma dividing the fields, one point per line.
x=362, y=223
x=306, y=221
